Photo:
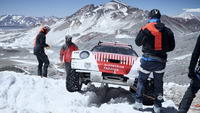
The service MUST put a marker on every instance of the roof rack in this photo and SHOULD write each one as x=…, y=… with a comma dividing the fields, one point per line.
x=115, y=43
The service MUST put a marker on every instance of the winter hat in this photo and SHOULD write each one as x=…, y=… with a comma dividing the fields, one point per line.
x=45, y=29
x=68, y=38
x=154, y=13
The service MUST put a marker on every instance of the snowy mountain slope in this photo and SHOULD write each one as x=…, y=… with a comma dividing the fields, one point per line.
x=113, y=21
x=187, y=15
x=117, y=18
x=107, y=18
x=25, y=21
x=31, y=94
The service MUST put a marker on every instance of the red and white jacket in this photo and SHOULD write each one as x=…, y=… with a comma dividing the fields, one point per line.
x=66, y=52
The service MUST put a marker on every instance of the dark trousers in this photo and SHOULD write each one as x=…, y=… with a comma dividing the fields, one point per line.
x=43, y=64
x=67, y=68
x=189, y=95
x=157, y=68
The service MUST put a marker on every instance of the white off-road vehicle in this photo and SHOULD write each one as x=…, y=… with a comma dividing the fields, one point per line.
x=109, y=63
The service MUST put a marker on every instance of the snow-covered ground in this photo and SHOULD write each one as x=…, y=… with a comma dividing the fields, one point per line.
x=20, y=93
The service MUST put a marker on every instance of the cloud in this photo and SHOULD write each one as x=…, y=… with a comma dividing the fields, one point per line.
x=196, y=10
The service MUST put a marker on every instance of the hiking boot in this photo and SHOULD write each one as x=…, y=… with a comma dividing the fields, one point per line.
x=156, y=109
x=137, y=106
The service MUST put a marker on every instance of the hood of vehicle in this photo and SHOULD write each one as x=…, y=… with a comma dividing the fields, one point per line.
x=114, y=63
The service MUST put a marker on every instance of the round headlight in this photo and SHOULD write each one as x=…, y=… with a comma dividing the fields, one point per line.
x=84, y=54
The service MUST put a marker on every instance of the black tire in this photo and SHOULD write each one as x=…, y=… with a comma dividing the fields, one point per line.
x=73, y=82
x=148, y=94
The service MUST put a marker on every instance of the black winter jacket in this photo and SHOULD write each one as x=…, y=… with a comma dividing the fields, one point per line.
x=40, y=43
x=156, y=39
x=195, y=55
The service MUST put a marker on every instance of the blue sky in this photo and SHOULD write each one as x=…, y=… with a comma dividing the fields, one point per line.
x=63, y=8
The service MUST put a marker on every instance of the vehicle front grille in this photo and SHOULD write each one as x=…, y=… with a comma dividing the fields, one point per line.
x=114, y=58
x=113, y=61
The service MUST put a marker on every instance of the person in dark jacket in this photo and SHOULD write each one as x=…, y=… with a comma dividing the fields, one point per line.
x=194, y=75
x=39, y=45
x=66, y=52
x=156, y=40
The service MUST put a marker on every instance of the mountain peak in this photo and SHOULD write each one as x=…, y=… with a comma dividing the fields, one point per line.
x=186, y=15
x=25, y=21
x=85, y=9
x=115, y=4
x=118, y=2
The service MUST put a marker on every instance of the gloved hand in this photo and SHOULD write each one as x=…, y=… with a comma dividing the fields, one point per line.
x=48, y=47
x=192, y=75
x=61, y=60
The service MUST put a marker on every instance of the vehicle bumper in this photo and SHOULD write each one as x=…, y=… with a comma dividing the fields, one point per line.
x=96, y=76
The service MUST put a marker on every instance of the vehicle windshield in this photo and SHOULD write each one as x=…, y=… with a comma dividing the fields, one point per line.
x=114, y=49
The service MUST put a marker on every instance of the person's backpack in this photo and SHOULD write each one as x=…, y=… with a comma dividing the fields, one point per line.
x=168, y=40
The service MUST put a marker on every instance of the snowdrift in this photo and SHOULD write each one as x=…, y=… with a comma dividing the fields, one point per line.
x=20, y=93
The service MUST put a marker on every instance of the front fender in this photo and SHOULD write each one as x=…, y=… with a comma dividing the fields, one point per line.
x=84, y=64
